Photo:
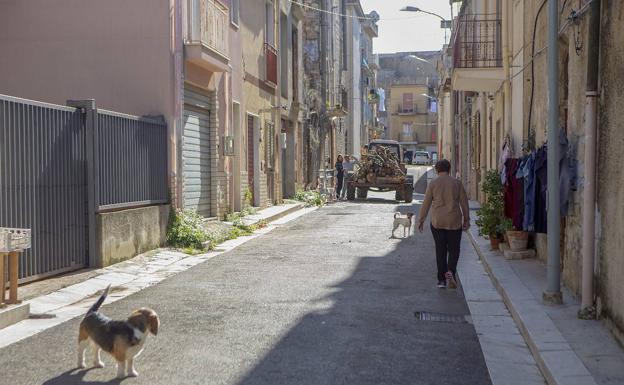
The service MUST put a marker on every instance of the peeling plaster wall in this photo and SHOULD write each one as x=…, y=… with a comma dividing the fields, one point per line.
x=610, y=183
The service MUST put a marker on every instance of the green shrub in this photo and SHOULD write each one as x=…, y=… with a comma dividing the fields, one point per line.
x=248, y=197
x=232, y=217
x=186, y=229
x=492, y=221
x=249, y=210
x=310, y=198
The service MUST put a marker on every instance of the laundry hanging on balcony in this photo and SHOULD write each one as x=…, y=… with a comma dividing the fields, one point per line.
x=525, y=186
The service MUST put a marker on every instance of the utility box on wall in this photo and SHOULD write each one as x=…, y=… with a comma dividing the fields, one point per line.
x=228, y=145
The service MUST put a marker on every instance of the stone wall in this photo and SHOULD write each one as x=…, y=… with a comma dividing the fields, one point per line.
x=124, y=234
x=610, y=183
x=572, y=78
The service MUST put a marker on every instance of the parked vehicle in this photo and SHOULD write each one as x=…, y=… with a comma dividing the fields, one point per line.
x=382, y=169
x=408, y=156
x=422, y=157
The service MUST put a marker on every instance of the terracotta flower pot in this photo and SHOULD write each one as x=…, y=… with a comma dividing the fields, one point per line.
x=494, y=242
x=518, y=240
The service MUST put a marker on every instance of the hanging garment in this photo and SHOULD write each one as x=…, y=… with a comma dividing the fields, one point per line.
x=528, y=172
x=518, y=188
x=502, y=161
x=512, y=193
x=541, y=188
x=568, y=173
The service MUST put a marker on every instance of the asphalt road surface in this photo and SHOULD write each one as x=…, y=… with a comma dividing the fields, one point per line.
x=325, y=299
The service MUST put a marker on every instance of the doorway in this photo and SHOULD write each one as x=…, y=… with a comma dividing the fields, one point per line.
x=253, y=123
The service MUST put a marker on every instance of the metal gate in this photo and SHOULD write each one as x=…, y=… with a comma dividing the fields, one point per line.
x=48, y=155
x=43, y=183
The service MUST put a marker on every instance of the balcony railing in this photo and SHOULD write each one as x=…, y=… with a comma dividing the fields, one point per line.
x=407, y=109
x=270, y=54
x=477, y=42
x=208, y=23
x=406, y=137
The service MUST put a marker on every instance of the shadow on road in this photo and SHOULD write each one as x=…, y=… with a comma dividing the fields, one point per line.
x=76, y=376
x=369, y=335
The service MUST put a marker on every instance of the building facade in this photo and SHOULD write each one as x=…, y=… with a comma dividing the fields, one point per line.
x=409, y=80
x=500, y=97
x=324, y=61
x=411, y=121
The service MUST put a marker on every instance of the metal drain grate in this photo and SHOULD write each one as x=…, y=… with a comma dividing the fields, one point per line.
x=440, y=317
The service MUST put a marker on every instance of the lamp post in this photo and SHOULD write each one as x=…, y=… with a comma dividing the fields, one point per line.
x=416, y=9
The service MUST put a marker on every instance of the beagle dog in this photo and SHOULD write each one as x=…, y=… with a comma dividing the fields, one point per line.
x=124, y=340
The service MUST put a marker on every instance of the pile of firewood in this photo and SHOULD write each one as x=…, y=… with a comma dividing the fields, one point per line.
x=379, y=162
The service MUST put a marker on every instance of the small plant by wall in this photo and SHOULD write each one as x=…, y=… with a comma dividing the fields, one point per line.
x=186, y=229
x=310, y=198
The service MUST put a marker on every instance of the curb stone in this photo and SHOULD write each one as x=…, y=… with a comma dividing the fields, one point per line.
x=554, y=356
x=73, y=301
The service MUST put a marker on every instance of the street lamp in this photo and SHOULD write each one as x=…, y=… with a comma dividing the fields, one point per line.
x=444, y=24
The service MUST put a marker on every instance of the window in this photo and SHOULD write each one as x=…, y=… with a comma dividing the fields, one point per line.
x=295, y=63
x=269, y=33
x=234, y=6
x=408, y=102
x=407, y=128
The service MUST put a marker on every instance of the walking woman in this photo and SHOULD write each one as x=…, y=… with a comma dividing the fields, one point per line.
x=339, y=175
x=447, y=199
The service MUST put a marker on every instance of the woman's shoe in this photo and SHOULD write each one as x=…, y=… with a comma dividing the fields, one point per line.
x=450, y=280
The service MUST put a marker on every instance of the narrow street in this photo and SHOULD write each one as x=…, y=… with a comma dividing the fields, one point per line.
x=325, y=299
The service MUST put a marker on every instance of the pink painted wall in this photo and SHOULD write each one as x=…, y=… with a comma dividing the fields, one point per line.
x=116, y=51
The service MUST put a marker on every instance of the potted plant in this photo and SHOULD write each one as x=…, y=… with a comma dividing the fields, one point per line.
x=492, y=222
x=518, y=240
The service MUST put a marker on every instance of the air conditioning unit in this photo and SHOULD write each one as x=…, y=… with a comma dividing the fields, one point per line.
x=228, y=145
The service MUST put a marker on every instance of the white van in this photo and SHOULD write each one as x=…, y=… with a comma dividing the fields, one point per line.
x=422, y=157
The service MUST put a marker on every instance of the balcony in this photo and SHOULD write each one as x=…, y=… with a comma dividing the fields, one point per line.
x=270, y=54
x=407, y=109
x=477, y=54
x=206, y=41
x=406, y=137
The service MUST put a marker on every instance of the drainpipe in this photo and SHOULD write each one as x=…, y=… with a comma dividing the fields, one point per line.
x=589, y=188
x=553, y=292
x=483, y=136
x=506, y=71
x=453, y=109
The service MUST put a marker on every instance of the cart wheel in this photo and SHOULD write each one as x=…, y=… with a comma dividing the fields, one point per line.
x=398, y=194
x=408, y=193
x=350, y=192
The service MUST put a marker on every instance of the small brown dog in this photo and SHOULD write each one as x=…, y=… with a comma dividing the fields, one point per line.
x=405, y=221
x=124, y=340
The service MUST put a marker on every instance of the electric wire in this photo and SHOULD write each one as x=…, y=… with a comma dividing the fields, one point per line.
x=352, y=16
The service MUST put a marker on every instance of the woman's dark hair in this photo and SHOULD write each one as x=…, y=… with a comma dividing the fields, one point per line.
x=443, y=165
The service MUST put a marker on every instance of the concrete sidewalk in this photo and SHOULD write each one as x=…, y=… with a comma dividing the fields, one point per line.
x=567, y=350
x=508, y=359
x=57, y=300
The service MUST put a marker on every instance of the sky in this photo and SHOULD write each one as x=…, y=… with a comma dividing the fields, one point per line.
x=408, y=31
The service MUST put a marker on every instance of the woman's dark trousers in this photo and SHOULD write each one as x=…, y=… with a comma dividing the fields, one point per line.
x=339, y=185
x=447, y=246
